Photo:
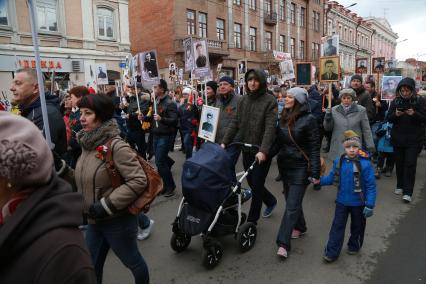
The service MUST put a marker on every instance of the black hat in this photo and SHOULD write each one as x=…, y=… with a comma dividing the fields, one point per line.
x=212, y=84
x=356, y=77
x=227, y=79
x=163, y=85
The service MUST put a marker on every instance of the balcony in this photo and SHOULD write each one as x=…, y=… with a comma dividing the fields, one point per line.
x=215, y=47
x=270, y=18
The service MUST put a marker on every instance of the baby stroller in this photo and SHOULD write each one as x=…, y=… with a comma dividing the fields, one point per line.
x=211, y=205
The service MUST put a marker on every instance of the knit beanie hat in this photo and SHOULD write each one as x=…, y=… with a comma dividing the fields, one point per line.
x=347, y=92
x=227, y=79
x=163, y=85
x=25, y=157
x=351, y=138
x=356, y=77
x=212, y=84
x=300, y=94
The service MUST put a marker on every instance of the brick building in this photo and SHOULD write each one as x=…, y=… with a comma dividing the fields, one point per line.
x=74, y=35
x=236, y=30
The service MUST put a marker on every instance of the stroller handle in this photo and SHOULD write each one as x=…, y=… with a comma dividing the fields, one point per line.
x=247, y=145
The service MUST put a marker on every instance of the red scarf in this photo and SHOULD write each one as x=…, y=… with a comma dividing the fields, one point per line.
x=10, y=207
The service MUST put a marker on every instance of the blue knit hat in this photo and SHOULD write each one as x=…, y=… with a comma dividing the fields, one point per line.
x=227, y=79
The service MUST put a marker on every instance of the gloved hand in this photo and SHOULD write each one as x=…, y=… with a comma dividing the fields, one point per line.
x=97, y=211
x=368, y=212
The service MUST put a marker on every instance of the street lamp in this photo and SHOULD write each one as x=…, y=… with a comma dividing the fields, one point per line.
x=402, y=40
x=353, y=4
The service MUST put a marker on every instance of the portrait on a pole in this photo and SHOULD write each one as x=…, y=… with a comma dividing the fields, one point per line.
x=208, y=123
x=361, y=66
x=287, y=70
x=303, y=74
x=329, y=69
x=200, y=58
x=187, y=48
x=378, y=65
x=389, y=84
x=330, y=47
x=101, y=74
x=149, y=68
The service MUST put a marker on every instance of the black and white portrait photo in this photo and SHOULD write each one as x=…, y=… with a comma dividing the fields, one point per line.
x=201, y=59
x=361, y=65
x=149, y=68
x=208, y=122
x=331, y=46
x=101, y=74
x=329, y=68
x=378, y=65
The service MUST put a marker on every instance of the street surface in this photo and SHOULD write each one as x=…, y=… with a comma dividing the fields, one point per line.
x=394, y=250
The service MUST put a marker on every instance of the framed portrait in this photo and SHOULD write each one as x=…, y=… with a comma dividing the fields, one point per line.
x=303, y=74
x=208, y=123
x=148, y=67
x=361, y=65
x=101, y=74
x=393, y=72
x=187, y=47
x=378, y=65
x=330, y=46
x=200, y=58
x=390, y=64
x=287, y=70
x=329, y=69
x=389, y=84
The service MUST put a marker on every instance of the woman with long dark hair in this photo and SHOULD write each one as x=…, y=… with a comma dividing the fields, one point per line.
x=298, y=160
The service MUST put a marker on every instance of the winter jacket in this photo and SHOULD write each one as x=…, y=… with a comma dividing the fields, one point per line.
x=384, y=135
x=290, y=160
x=56, y=122
x=133, y=123
x=338, y=122
x=346, y=185
x=364, y=99
x=408, y=131
x=256, y=118
x=380, y=112
x=167, y=109
x=41, y=242
x=188, y=115
x=91, y=175
x=228, y=111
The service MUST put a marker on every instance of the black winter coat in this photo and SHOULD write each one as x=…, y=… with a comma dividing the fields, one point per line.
x=167, y=109
x=293, y=166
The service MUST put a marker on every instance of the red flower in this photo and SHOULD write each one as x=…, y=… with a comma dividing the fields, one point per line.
x=101, y=151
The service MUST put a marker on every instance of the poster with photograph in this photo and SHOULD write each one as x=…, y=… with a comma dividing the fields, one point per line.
x=187, y=48
x=242, y=69
x=101, y=74
x=287, y=70
x=378, y=65
x=346, y=82
x=361, y=65
x=393, y=72
x=330, y=46
x=172, y=70
x=90, y=73
x=313, y=73
x=390, y=64
x=208, y=123
x=424, y=75
x=303, y=74
x=148, y=67
x=389, y=84
x=200, y=58
x=329, y=69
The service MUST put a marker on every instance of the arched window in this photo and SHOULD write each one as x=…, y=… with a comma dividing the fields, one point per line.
x=105, y=23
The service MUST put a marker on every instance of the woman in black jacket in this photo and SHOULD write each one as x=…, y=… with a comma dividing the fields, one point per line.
x=408, y=115
x=298, y=160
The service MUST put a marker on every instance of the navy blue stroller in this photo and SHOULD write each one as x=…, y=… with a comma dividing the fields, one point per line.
x=211, y=204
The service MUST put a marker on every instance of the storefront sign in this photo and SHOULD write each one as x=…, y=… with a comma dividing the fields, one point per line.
x=47, y=64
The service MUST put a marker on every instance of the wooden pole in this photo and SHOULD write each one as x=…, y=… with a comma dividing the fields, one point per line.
x=330, y=86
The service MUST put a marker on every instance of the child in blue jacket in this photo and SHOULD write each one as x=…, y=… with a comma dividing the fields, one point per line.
x=353, y=174
x=385, y=150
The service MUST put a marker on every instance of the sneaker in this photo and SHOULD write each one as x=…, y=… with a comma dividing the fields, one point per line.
x=268, y=210
x=398, y=191
x=297, y=234
x=169, y=193
x=329, y=259
x=406, y=198
x=388, y=174
x=143, y=234
x=352, y=252
x=377, y=173
x=282, y=253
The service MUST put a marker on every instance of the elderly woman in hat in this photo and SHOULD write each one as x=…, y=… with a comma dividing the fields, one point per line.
x=347, y=116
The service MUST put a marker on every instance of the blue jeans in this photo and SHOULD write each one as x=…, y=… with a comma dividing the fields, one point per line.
x=337, y=231
x=119, y=234
x=163, y=162
x=188, y=143
x=136, y=139
x=143, y=221
x=233, y=152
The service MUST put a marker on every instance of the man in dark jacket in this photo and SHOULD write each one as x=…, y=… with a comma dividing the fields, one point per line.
x=27, y=95
x=163, y=130
x=362, y=96
x=255, y=124
x=380, y=106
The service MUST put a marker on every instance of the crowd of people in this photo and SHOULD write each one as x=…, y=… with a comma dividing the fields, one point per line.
x=363, y=135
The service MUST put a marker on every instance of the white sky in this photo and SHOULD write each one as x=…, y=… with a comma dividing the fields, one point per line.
x=407, y=18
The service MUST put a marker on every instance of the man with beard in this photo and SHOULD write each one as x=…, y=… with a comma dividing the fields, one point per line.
x=380, y=106
x=363, y=97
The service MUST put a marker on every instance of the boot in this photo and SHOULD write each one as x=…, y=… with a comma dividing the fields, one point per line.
x=377, y=173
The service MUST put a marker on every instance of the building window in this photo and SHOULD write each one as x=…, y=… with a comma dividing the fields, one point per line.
x=292, y=48
x=220, y=29
x=302, y=49
x=316, y=20
x=268, y=7
x=237, y=35
x=237, y=2
x=190, y=22
x=362, y=40
x=268, y=40
x=302, y=16
x=282, y=43
x=366, y=43
x=47, y=15
x=315, y=51
x=105, y=23
x=202, y=25
x=340, y=30
x=358, y=39
x=351, y=39
x=329, y=27
x=4, y=13
x=281, y=11
x=252, y=36
x=252, y=4
x=293, y=13
x=345, y=34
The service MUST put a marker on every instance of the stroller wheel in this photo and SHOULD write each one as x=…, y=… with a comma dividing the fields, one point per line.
x=212, y=255
x=246, y=237
x=179, y=242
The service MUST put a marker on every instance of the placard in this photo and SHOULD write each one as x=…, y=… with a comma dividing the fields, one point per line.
x=101, y=74
x=208, y=123
x=361, y=65
x=303, y=74
x=330, y=46
x=148, y=67
x=201, y=58
x=378, y=65
x=329, y=69
x=389, y=84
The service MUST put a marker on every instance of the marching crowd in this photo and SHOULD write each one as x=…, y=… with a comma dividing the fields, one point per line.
x=45, y=193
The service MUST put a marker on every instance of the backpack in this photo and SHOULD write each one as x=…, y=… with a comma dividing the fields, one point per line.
x=153, y=179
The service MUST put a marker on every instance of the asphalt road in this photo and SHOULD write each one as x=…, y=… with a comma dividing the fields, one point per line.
x=394, y=250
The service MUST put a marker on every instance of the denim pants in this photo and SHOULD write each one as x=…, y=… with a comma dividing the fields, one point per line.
x=406, y=164
x=119, y=234
x=293, y=215
x=136, y=139
x=143, y=221
x=188, y=143
x=256, y=181
x=337, y=231
x=233, y=152
x=163, y=162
